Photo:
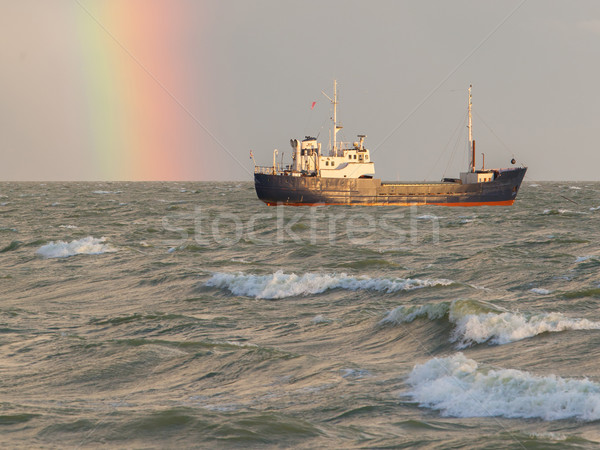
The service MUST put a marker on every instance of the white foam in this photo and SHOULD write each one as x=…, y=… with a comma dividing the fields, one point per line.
x=595, y=209
x=534, y=185
x=355, y=373
x=240, y=260
x=458, y=387
x=106, y=192
x=67, y=226
x=282, y=285
x=562, y=211
x=541, y=291
x=548, y=435
x=479, y=322
x=584, y=258
x=86, y=246
x=320, y=319
x=506, y=327
x=575, y=188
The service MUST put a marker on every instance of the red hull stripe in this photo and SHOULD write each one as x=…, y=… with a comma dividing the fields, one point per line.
x=498, y=203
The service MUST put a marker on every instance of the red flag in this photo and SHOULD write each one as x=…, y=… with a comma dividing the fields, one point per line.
x=313, y=105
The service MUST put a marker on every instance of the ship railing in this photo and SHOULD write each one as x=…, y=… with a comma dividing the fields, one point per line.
x=268, y=170
x=347, y=146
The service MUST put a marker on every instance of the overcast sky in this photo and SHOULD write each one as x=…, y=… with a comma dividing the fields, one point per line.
x=251, y=70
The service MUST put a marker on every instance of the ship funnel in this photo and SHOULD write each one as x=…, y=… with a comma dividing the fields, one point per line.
x=296, y=155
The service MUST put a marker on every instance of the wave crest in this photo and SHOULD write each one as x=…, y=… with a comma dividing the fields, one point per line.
x=86, y=246
x=282, y=285
x=458, y=387
x=477, y=322
x=405, y=314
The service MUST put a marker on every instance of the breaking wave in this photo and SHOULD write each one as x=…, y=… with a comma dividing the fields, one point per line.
x=106, y=192
x=459, y=387
x=478, y=322
x=281, y=285
x=554, y=212
x=541, y=291
x=585, y=258
x=86, y=246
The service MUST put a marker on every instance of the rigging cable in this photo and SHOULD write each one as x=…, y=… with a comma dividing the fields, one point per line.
x=446, y=147
x=506, y=147
x=321, y=128
x=455, y=148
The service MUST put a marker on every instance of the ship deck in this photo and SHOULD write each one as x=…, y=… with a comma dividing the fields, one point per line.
x=419, y=183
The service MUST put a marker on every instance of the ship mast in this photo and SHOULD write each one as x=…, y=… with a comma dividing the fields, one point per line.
x=336, y=128
x=471, y=141
x=335, y=116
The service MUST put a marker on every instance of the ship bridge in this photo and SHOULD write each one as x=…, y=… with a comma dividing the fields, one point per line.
x=347, y=160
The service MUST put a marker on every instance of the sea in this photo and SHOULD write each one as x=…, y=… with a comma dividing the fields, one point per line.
x=191, y=315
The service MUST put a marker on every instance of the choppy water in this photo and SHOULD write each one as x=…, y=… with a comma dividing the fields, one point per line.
x=191, y=315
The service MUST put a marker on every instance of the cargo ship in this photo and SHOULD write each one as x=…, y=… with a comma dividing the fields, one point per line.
x=346, y=176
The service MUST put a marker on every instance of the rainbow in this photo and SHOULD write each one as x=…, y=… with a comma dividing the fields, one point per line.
x=138, y=83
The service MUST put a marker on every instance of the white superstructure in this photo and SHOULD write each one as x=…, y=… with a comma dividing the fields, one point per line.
x=345, y=160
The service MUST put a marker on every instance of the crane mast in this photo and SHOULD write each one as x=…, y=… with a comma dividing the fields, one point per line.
x=471, y=141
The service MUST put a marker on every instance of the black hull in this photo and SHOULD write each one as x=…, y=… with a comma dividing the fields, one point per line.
x=304, y=190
